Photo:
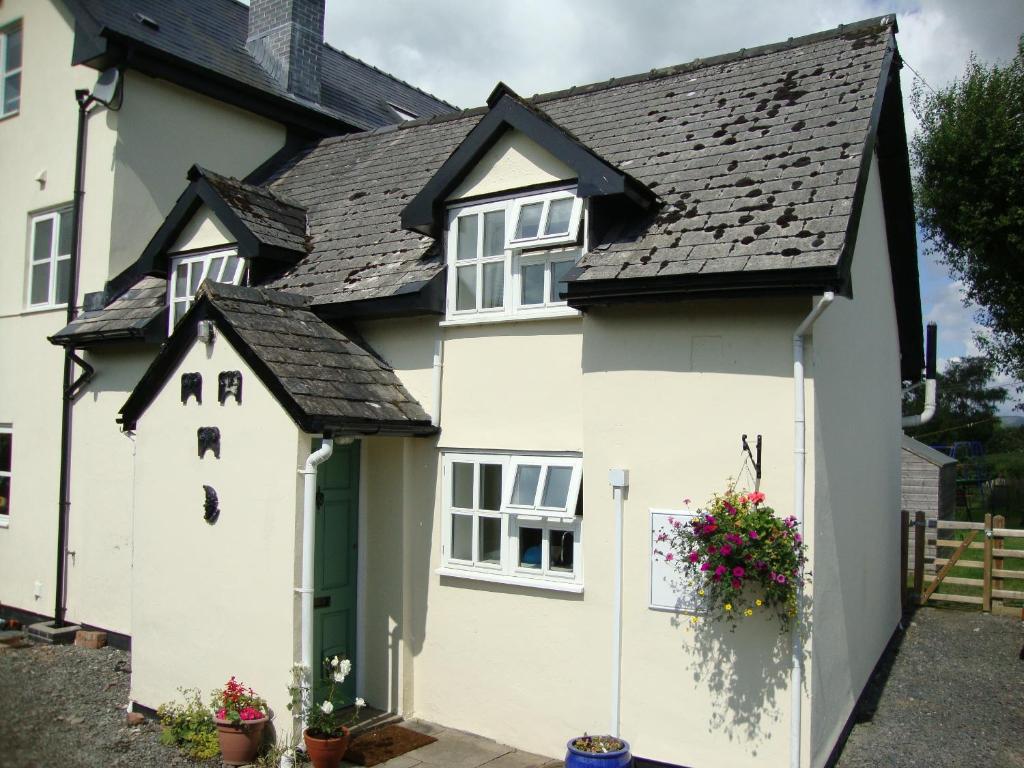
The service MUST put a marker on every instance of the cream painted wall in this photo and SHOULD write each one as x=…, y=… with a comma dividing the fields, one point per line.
x=102, y=491
x=204, y=230
x=162, y=131
x=514, y=161
x=137, y=159
x=857, y=481
x=530, y=666
x=216, y=600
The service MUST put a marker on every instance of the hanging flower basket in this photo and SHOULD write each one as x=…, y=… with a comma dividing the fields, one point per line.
x=740, y=556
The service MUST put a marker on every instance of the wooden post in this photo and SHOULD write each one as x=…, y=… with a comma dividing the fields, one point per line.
x=997, y=562
x=919, y=531
x=904, y=555
x=986, y=573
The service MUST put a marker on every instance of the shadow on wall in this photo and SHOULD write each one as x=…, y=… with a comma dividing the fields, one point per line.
x=118, y=371
x=746, y=670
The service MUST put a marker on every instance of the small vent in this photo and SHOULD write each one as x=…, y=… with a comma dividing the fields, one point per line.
x=146, y=21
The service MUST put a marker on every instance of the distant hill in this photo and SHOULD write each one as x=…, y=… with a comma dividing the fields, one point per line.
x=1012, y=420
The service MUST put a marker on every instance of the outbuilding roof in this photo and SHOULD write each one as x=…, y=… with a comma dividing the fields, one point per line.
x=324, y=380
x=207, y=37
x=138, y=314
x=926, y=452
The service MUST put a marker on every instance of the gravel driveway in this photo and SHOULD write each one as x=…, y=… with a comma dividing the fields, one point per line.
x=64, y=707
x=954, y=697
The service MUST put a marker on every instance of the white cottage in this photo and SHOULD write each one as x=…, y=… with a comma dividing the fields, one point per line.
x=430, y=344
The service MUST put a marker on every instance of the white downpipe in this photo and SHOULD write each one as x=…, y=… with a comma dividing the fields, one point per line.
x=308, y=542
x=930, y=398
x=799, y=476
x=435, y=409
x=619, y=480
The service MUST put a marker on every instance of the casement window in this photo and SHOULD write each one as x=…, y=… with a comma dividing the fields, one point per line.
x=10, y=70
x=509, y=258
x=6, y=454
x=513, y=519
x=188, y=273
x=49, y=273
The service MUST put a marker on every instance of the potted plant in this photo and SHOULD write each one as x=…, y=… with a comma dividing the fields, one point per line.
x=597, y=752
x=240, y=716
x=326, y=737
x=740, y=556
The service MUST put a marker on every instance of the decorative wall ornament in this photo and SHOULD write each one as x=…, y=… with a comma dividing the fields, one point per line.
x=229, y=384
x=209, y=440
x=210, y=505
x=191, y=384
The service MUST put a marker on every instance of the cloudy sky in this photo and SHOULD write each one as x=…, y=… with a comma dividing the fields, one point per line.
x=458, y=50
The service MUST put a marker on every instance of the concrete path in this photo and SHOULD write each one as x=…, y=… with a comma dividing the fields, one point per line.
x=456, y=749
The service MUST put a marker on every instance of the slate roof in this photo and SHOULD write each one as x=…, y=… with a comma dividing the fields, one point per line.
x=321, y=377
x=210, y=34
x=271, y=218
x=926, y=452
x=755, y=157
x=138, y=314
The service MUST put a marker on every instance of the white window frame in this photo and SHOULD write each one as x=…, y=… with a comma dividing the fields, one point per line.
x=5, y=73
x=5, y=514
x=544, y=199
x=198, y=260
x=54, y=258
x=513, y=520
x=517, y=253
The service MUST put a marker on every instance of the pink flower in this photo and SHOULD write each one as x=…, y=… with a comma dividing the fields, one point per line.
x=736, y=583
x=739, y=572
x=730, y=508
x=705, y=565
x=671, y=521
x=677, y=525
x=780, y=578
x=694, y=557
x=662, y=536
x=726, y=549
x=712, y=550
x=720, y=570
x=753, y=535
x=755, y=498
x=669, y=557
x=797, y=538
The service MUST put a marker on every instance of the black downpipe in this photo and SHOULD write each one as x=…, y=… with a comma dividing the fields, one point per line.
x=71, y=384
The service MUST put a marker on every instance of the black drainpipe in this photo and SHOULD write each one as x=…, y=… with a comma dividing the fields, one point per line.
x=71, y=385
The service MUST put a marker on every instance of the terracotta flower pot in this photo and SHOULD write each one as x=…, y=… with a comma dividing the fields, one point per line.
x=326, y=753
x=239, y=742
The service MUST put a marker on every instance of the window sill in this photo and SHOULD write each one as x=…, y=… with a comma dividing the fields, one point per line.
x=501, y=578
x=558, y=313
x=4, y=521
x=44, y=308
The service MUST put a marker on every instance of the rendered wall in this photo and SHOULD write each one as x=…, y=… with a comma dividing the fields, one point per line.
x=513, y=161
x=136, y=163
x=211, y=601
x=203, y=231
x=531, y=667
x=857, y=481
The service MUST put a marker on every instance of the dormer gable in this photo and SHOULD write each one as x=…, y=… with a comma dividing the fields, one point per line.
x=507, y=112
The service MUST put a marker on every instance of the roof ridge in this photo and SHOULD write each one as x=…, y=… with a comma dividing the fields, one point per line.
x=388, y=75
x=887, y=20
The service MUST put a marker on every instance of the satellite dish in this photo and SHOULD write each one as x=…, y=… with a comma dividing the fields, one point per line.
x=106, y=89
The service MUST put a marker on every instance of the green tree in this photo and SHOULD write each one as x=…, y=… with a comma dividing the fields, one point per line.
x=967, y=404
x=969, y=157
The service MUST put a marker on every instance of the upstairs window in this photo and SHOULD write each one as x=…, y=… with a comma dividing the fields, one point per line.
x=189, y=272
x=509, y=258
x=513, y=519
x=10, y=70
x=49, y=274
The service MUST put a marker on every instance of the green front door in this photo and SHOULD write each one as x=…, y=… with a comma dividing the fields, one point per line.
x=336, y=560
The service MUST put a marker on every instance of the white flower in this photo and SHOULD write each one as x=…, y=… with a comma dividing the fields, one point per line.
x=327, y=707
x=334, y=662
x=360, y=703
x=346, y=667
x=339, y=677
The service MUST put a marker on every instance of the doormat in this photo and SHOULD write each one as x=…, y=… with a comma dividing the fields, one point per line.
x=377, y=746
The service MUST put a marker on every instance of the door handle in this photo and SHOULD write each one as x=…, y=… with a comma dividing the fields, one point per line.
x=322, y=602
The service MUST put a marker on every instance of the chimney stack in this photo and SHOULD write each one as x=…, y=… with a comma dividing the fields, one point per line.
x=286, y=38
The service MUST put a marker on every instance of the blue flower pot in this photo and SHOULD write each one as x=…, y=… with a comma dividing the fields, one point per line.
x=576, y=759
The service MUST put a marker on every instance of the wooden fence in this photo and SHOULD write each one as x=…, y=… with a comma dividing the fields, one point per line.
x=984, y=586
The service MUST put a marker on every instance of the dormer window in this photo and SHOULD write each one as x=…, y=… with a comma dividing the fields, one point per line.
x=509, y=258
x=190, y=270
